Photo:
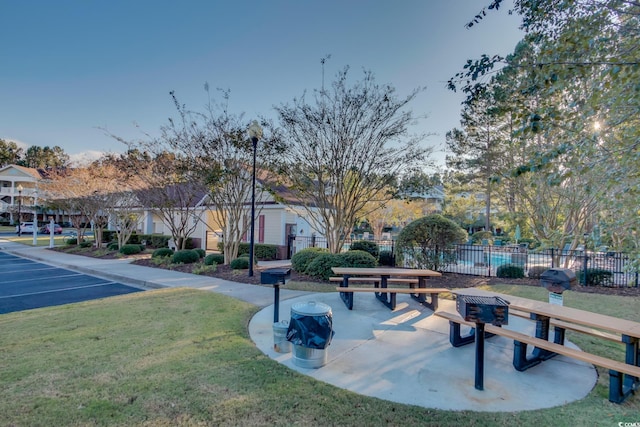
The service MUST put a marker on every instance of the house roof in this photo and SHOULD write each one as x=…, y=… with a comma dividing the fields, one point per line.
x=35, y=173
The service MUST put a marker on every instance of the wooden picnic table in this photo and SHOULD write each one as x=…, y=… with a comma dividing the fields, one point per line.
x=542, y=313
x=385, y=275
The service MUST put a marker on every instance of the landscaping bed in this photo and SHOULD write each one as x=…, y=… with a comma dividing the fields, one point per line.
x=447, y=280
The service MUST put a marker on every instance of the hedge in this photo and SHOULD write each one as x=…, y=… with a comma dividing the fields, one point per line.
x=130, y=249
x=510, y=271
x=262, y=251
x=301, y=259
x=355, y=258
x=321, y=265
x=241, y=263
x=201, y=252
x=367, y=246
x=386, y=258
x=214, y=259
x=185, y=256
x=162, y=253
x=596, y=277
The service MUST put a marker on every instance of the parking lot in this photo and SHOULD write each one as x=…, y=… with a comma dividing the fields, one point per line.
x=27, y=284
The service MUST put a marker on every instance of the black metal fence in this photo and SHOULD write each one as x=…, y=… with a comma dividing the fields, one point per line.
x=611, y=268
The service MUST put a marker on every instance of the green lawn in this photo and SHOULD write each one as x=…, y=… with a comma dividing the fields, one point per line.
x=183, y=357
x=27, y=239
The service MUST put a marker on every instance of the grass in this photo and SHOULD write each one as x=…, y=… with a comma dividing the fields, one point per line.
x=27, y=239
x=183, y=357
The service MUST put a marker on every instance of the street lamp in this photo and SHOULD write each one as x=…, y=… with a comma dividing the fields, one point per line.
x=35, y=218
x=19, y=188
x=255, y=133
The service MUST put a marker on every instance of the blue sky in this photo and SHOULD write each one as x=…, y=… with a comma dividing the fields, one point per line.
x=69, y=67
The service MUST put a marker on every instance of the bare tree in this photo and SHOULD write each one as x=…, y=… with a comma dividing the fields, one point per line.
x=347, y=144
x=214, y=153
x=169, y=189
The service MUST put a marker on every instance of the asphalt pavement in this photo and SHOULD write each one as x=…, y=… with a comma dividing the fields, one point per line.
x=26, y=284
x=402, y=355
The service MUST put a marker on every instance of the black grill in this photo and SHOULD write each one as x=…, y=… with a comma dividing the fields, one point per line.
x=478, y=309
x=558, y=280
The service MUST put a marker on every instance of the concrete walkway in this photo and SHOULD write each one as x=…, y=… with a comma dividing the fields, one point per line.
x=402, y=355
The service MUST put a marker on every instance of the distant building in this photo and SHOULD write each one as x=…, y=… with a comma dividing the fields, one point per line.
x=13, y=177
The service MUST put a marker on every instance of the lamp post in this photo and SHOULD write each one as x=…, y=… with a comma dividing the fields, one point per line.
x=255, y=133
x=19, y=188
x=35, y=218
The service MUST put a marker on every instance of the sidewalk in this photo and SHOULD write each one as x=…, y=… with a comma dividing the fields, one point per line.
x=402, y=355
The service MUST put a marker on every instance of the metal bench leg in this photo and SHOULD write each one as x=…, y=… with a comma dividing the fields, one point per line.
x=347, y=297
x=632, y=357
x=558, y=335
x=520, y=360
x=542, y=332
x=618, y=390
x=454, y=335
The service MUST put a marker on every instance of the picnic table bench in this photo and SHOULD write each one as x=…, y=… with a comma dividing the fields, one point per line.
x=381, y=277
x=623, y=376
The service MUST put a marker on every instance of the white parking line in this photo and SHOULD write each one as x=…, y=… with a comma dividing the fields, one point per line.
x=22, y=270
x=58, y=290
x=41, y=278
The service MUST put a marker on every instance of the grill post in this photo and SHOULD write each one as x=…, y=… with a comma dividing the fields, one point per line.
x=481, y=310
x=479, y=356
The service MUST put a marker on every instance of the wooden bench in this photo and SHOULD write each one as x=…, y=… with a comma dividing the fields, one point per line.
x=619, y=386
x=374, y=280
x=560, y=326
x=381, y=294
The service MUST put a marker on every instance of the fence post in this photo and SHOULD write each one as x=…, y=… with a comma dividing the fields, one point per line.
x=553, y=258
x=393, y=253
x=586, y=261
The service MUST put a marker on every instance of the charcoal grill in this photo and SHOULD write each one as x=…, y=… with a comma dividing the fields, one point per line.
x=558, y=280
x=481, y=310
x=478, y=309
x=275, y=277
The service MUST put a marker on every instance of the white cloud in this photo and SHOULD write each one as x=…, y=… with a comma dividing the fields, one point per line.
x=86, y=157
x=19, y=143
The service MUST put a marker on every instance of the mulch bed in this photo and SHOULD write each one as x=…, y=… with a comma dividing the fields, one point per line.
x=447, y=280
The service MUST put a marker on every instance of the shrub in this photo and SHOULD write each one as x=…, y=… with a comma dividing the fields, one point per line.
x=261, y=250
x=510, y=271
x=189, y=244
x=385, y=258
x=357, y=259
x=86, y=244
x=423, y=242
x=108, y=235
x=201, y=252
x=300, y=260
x=159, y=241
x=479, y=236
x=134, y=239
x=266, y=252
x=596, y=277
x=185, y=256
x=204, y=269
x=71, y=241
x=536, y=271
x=162, y=253
x=367, y=246
x=241, y=263
x=214, y=259
x=321, y=265
x=130, y=249
x=113, y=246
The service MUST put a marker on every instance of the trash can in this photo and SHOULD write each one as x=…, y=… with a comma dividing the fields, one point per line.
x=280, y=343
x=310, y=332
